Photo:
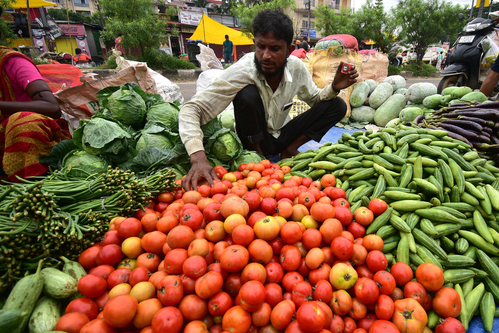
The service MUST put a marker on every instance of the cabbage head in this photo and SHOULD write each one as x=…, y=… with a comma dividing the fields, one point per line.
x=81, y=164
x=153, y=140
x=227, y=119
x=247, y=156
x=127, y=106
x=225, y=145
x=164, y=113
x=100, y=136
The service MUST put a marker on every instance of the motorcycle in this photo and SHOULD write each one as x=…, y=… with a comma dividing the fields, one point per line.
x=464, y=65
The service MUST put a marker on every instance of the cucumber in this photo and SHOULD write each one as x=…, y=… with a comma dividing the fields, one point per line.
x=457, y=261
x=10, y=319
x=479, y=242
x=433, y=319
x=482, y=228
x=458, y=275
x=45, y=315
x=429, y=243
x=397, y=195
x=399, y=224
x=492, y=287
x=57, y=284
x=427, y=256
x=24, y=295
x=437, y=215
x=488, y=265
x=493, y=196
x=464, y=311
x=473, y=300
x=487, y=308
x=379, y=221
x=428, y=228
x=462, y=245
x=410, y=205
x=402, y=254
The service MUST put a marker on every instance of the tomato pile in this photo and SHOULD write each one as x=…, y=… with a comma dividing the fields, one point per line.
x=254, y=253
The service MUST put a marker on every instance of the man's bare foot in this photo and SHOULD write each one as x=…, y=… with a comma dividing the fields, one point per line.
x=287, y=153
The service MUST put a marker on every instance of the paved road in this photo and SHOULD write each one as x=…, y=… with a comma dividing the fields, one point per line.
x=188, y=88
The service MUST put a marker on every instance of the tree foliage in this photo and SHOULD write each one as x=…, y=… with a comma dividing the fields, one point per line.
x=136, y=21
x=5, y=29
x=246, y=14
x=422, y=22
x=60, y=14
x=329, y=23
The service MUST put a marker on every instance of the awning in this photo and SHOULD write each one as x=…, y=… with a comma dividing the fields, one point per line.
x=211, y=32
x=32, y=4
x=369, y=42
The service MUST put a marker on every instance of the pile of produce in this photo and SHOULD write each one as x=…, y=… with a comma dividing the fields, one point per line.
x=56, y=217
x=136, y=131
x=394, y=231
x=389, y=103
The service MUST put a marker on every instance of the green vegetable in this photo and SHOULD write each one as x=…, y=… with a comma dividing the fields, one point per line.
x=79, y=163
x=165, y=114
x=99, y=136
x=224, y=145
x=127, y=106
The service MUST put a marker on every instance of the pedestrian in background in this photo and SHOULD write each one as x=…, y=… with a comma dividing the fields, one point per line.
x=440, y=59
x=304, y=44
x=228, y=50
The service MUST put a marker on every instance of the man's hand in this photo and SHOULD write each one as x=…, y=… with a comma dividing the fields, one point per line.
x=200, y=169
x=342, y=81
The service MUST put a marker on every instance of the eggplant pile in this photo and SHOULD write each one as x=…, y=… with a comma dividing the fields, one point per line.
x=477, y=124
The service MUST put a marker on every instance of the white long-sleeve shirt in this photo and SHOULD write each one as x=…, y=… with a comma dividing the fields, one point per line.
x=206, y=105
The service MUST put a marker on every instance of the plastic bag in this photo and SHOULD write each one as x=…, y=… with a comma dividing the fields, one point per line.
x=490, y=50
x=207, y=58
x=166, y=88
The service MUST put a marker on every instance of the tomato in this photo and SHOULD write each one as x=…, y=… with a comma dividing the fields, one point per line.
x=193, y=308
x=363, y=216
x=321, y=211
x=120, y=311
x=102, y=270
x=252, y=295
x=409, y=316
x=397, y=294
x=416, y=291
x=234, y=205
x=291, y=232
x=267, y=228
x=366, y=322
x=427, y=303
x=180, y=237
x=337, y=192
x=194, y=267
x=377, y=206
x=373, y=242
x=254, y=271
x=343, y=214
x=97, y=326
x=376, y=261
x=430, y=276
x=337, y=324
x=341, y=302
x=323, y=291
x=143, y=290
x=171, y=290
x=88, y=258
x=384, y=307
x=130, y=227
x=209, y=284
x=328, y=180
x=322, y=273
x=343, y=276
x=312, y=238
x=330, y=229
x=342, y=248
x=385, y=282
x=236, y=320
x=450, y=325
x=83, y=305
x=174, y=261
x=153, y=242
x=301, y=293
x=383, y=326
x=146, y=311
x=290, y=258
x=219, y=303
x=243, y=235
x=149, y=260
x=356, y=229
x=234, y=258
x=111, y=237
x=92, y=286
x=311, y=317
x=402, y=273
x=359, y=254
x=71, y=322
x=358, y=310
x=282, y=313
x=366, y=290
x=350, y=325
x=447, y=303
x=168, y=319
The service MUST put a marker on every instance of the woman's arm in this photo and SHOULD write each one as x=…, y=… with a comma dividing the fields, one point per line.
x=43, y=102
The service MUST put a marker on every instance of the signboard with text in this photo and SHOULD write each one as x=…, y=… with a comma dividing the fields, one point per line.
x=304, y=33
x=190, y=15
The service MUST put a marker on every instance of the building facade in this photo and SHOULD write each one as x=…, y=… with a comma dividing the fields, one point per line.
x=80, y=6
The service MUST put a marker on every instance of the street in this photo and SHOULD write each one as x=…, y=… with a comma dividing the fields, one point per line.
x=188, y=88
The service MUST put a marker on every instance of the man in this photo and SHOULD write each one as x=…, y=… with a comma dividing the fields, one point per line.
x=304, y=44
x=228, y=50
x=261, y=86
x=492, y=78
x=81, y=58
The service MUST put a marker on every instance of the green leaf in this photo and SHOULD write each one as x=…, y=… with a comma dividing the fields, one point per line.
x=56, y=156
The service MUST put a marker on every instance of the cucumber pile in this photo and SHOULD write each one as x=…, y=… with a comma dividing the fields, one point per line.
x=443, y=202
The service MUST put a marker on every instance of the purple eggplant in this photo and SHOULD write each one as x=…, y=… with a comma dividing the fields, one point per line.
x=419, y=119
x=480, y=121
x=484, y=138
x=488, y=130
x=459, y=130
x=484, y=114
x=464, y=124
x=494, y=140
x=458, y=137
x=488, y=105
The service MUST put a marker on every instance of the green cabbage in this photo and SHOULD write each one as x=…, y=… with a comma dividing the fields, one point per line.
x=81, y=164
x=164, y=113
x=225, y=145
x=98, y=136
x=127, y=106
x=227, y=119
x=153, y=140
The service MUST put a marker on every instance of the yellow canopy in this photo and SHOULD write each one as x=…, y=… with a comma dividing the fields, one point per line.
x=212, y=32
x=32, y=4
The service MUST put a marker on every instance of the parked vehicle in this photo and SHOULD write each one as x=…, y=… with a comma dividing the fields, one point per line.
x=464, y=68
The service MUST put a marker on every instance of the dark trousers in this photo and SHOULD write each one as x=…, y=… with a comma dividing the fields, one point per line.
x=251, y=124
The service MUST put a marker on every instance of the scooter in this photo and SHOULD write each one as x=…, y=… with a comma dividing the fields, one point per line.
x=465, y=59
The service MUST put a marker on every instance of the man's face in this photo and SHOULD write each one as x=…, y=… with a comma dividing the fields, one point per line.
x=271, y=54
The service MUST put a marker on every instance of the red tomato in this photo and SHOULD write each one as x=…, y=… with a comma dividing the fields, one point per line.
x=192, y=218
x=450, y=325
x=121, y=275
x=383, y=326
x=340, y=202
x=376, y=261
x=168, y=319
x=311, y=317
x=71, y=322
x=342, y=248
x=209, y=284
x=120, y=310
x=139, y=274
x=171, y=290
x=384, y=307
x=282, y=313
x=402, y=273
x=323, y=291
x=447, y=303
x=301, y=293
x=415, y=290
x=366, y=290
x=337, y=192
x=83, y=305
x=111, y=237
x=356, y=229
x=252, y=295
x=290, y=258
x=130, y=227
x=219, y=303
x=88, y=258
x=97, y=326
x=92, y=286
x=273, y=294
x=343, y=214
x=236, y=320
x=430, y=276
x=385, y=282
x=377, y=206
x=110, y=255
x=102, y=270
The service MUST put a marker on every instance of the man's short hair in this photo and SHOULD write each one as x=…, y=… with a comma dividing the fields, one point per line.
x=77, y=50
x=226, y=36
x=305, y=39
x=276, y=22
